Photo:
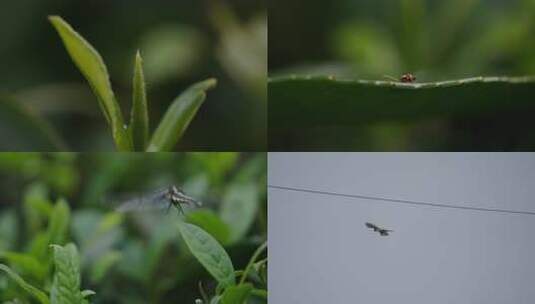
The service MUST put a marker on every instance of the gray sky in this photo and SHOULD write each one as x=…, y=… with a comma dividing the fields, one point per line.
x=321, y=252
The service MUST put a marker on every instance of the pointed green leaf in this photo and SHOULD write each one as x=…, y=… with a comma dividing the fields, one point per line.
x=91, y=65
x=238, y=209
x=59, y=223
x=209, y=253
x=139, y=118
x=66, y=284
x=38, y=294
x=211, y=223
x=237, y=294
x=26, y=264
x=179, y=115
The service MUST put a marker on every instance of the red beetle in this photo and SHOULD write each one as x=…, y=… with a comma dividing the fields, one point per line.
x=408, y=77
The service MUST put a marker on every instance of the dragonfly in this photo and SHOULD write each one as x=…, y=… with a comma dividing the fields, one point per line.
x=382, y=231
x=162, y=199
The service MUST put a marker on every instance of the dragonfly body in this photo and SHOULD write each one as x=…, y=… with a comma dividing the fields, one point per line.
x=162, y=199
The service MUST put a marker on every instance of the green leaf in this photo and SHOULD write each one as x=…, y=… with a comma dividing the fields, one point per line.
x=35, y=292
x=103, y=264
x=211, y=223
x=237, y=294
x=209, y=253
x=139, y=118
x=324, y=101
x=59, y=223
x=91, y=65
x=66, y=284
x=9, y=231
x=179, y=115
x=238, y=209
x=37, y=206
x=153, y=250
x=26, y=263
x=261, y=293
x=26, y=130
x=251, y=264
x=86, y=293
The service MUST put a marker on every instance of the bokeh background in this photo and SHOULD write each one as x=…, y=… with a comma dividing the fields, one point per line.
x=135, y=257
x=182, y=42
x=435, y=40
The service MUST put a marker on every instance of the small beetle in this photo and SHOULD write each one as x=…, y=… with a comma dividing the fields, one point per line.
x=408, y=77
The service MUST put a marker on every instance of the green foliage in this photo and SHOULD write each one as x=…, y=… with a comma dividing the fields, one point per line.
x=211, y=223
x=66, y=284
x=237, y=294
x=323, y=101
x=209, y=253
x=26, y=264
x=239, y=209
x=90, y=63
x=179, y=116
x=135, y=136
x=66, y=279
x=319, y=100
x=26, y=130
x=143, y=256
x=59, y=223
x=139, y=118
x=38, y=294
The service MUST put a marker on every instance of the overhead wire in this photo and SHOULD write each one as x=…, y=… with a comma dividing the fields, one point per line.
x=400, y=201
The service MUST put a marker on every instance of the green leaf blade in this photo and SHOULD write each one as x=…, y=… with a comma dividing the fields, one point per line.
x=91, y=65
x=302, y=101
x=26, y=263
x=211, y=223
x=237, y=294
x=239, y=208
x=59, y=223
x=66, y=283
x=209, y=253
x=179, y=115
x=38, y=294
x=139, y=118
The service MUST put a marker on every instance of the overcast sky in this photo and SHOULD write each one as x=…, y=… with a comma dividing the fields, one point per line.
x=321, y=252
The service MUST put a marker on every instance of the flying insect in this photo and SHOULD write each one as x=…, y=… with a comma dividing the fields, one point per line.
x=382, y=231
x=161, y=199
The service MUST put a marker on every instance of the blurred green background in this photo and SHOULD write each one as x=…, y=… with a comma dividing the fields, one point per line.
x=434, y=40
x=134, y=257
x=182, y=42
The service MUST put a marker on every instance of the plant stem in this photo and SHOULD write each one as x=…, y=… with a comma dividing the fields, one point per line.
x=257, y=253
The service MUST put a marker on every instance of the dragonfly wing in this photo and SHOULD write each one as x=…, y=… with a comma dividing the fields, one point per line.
x=155, y=200
x=193, y=202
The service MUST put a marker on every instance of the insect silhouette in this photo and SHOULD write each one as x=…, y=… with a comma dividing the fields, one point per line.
x=382, y=231
x=161, y=199
x=406, y=78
